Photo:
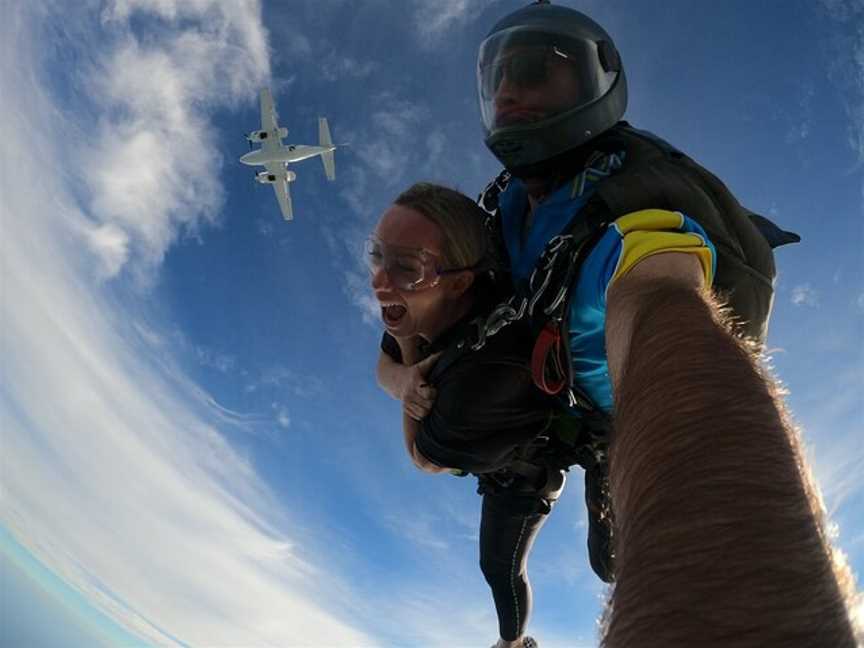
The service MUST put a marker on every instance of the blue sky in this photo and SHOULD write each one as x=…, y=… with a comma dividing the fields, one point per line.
x=194, y=451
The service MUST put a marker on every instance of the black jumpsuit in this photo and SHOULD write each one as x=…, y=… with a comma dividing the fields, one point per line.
x=486, y=408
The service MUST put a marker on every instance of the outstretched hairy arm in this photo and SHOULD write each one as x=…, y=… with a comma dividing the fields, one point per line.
x=719, y=538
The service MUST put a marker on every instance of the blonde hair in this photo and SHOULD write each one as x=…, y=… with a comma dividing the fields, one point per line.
x=467, y=241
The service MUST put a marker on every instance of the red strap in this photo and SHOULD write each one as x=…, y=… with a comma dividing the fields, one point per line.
x=549, y=341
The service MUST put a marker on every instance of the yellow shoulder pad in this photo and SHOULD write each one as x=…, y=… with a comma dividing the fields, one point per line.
x=652, y=231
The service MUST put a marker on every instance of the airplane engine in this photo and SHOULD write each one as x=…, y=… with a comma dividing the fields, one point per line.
x=265, y=178
x=257, y=136
x=291, y=176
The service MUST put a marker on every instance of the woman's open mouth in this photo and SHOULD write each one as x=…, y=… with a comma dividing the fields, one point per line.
x=392, y=314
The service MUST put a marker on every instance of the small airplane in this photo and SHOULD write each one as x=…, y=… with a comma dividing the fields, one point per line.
x=275, y=156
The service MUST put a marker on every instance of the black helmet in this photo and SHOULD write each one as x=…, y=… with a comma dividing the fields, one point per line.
x=528, y=46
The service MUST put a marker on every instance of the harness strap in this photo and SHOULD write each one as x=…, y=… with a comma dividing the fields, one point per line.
x=547, y=361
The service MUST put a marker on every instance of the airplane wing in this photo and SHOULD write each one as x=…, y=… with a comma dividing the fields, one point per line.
x=284, y=198
x=283, y=195
x=269, y=120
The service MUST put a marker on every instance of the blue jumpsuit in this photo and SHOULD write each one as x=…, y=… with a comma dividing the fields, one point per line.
x=628, y=240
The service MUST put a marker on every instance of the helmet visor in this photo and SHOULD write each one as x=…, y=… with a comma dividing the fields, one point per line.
x=525, y=76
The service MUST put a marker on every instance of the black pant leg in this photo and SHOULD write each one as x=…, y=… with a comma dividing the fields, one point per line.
x=508, y=527
x=599, y=523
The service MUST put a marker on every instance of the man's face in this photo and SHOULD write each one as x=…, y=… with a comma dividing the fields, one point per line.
x=533, y=84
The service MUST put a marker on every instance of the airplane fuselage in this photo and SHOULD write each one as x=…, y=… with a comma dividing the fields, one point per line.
x=285, y=153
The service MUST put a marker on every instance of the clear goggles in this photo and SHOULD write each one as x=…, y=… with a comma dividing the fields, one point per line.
x=407, y=268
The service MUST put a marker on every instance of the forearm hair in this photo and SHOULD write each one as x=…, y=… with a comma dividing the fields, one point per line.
x=719, y=530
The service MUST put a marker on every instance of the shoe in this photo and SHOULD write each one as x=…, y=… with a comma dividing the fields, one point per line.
x=530, y=642
x=527, y=642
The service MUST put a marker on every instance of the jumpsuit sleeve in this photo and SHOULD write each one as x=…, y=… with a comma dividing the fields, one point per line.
x=628, y=240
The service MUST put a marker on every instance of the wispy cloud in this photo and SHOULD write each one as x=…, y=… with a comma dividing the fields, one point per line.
x=834, y=417
x=153, y=166
x=221, y=362
x=847, y=69
x=434, y=20
x=336, y=67
x=283, y=418
x=284, y=388
x=805, y=295
x=115, y=472
x=799, y=130
x=287, y=381
x=387, y=152
x=358, y=290
x=420, y=529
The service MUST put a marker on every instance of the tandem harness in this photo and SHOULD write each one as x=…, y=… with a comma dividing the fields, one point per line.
x=634, y=170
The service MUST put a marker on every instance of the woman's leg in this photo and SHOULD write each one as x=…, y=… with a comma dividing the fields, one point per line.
x=508, y=527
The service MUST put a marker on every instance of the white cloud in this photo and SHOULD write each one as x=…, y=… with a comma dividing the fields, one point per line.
x=336, y=67
x=111, y=245
x=264, y=226
x=799, y=131
x=434, y=20
x=400, y=118
x=840, y=469
x=847, y=69
x=290, y=382
x=283, y=418
x=387, y=149
x=235, y=25
x=114, y=474
x=420, y=529
x=298, y=45
x=355, y=191
x=436, y=142
x=221, y=362
x=805, y=295
x=359, y=291
x=153, y=165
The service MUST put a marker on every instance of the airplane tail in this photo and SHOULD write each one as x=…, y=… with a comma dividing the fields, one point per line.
x=325, y=142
